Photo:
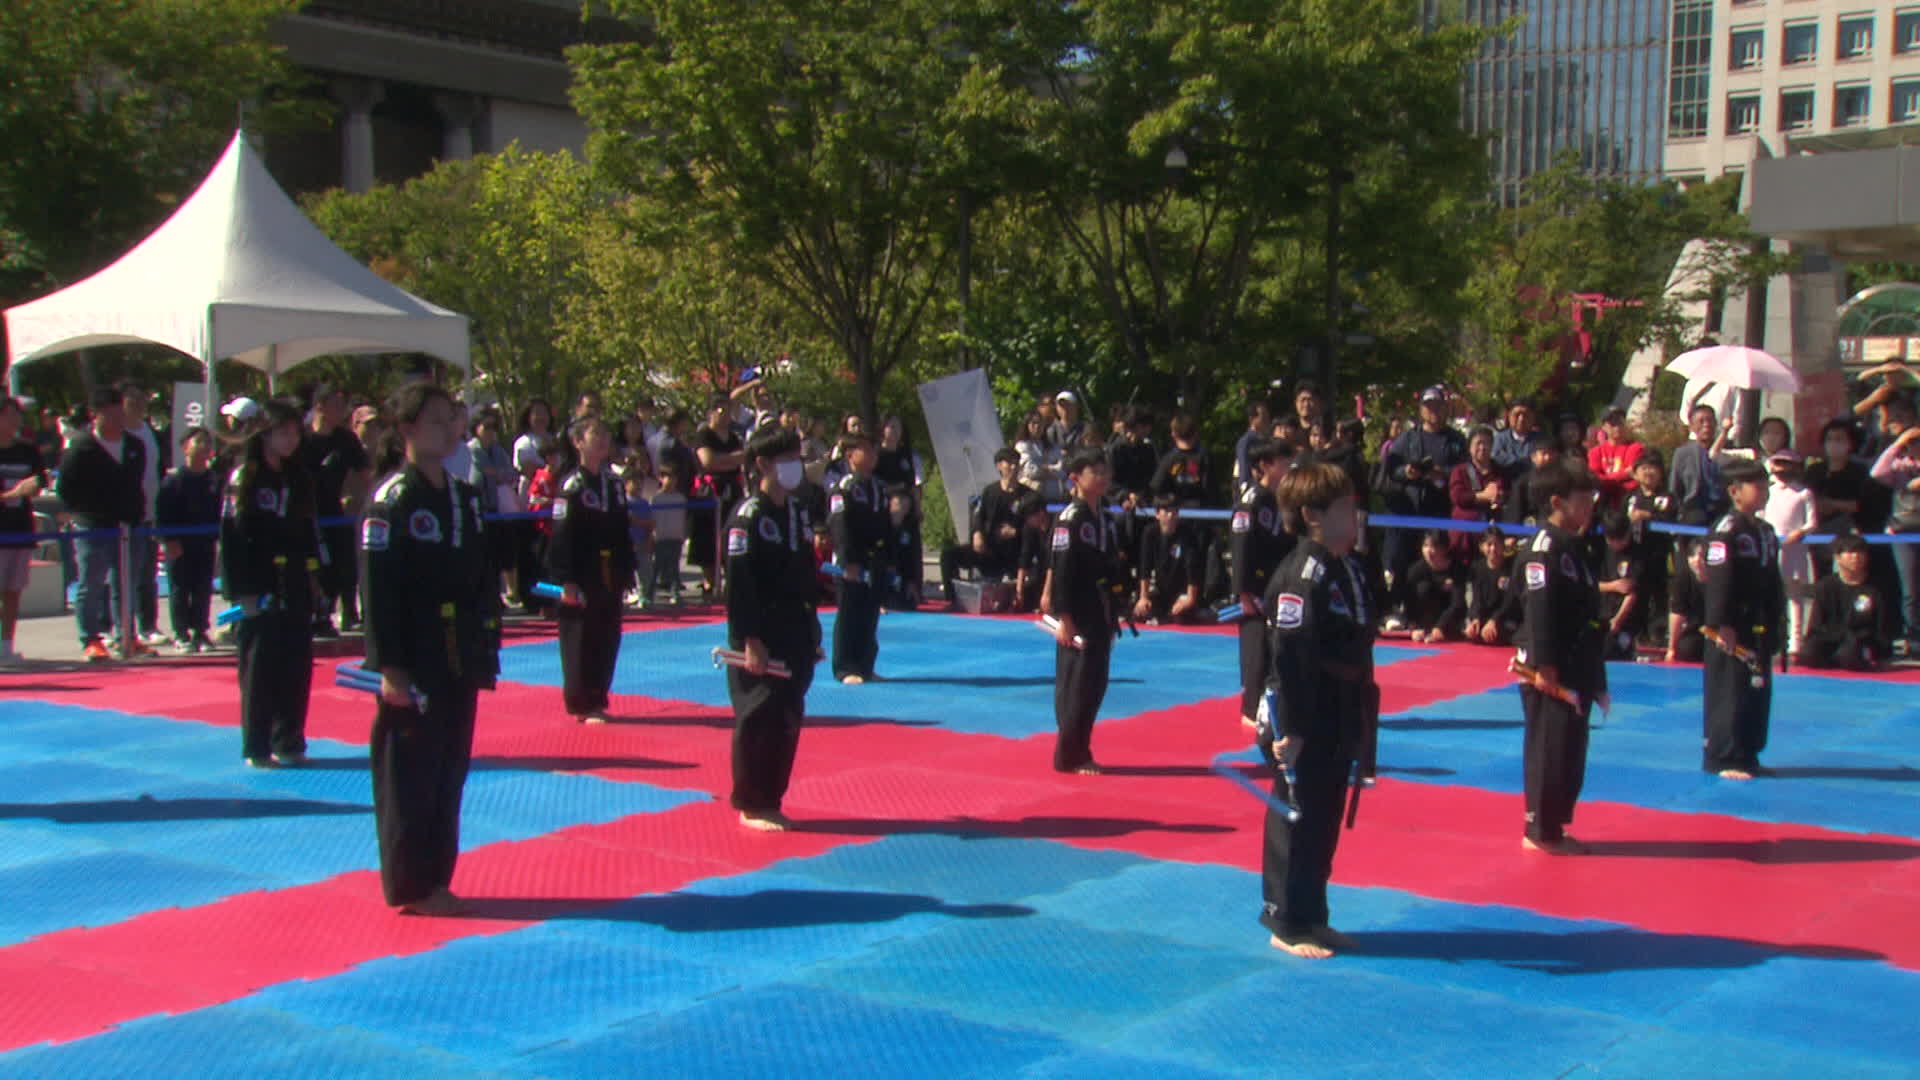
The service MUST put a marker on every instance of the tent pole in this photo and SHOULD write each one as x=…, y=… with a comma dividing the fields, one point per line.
x=273, y=371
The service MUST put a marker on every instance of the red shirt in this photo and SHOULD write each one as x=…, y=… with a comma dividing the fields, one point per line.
x=1612, y=467
x=540, y=492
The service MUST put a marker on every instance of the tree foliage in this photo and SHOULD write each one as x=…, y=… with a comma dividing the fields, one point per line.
x=112, y=113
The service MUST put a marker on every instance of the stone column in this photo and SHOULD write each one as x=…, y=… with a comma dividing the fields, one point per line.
x=357, y=97
x=457, y=115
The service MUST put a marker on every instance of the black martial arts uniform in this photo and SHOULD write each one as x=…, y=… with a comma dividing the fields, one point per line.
x=1851, y=627
x=1086, y=567
x=1744, y=591
x=269, y=556
x=1170, y=566
x=1320, y=619
x=332, y=459
x=1562, y=630
x=770, y=597
x=432, y=607
x=592, y=550
x=1624, y=566
x=1259, y=541
x=1656, y=555
x=188, y=499
x=1435, y=599
x=1491, y=597
x=1030, y=574
x=857, y=518
x=1687, y=598
x=996, y=508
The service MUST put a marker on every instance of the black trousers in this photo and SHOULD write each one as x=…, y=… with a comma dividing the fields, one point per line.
x=1556, y=762
x=1079, y=685
x=190, y=590
x=276, y=676
x=420, y=762
x=589, y=649
x=767, y=716
x=340, y=577
x=1848, y=652
x=1253, y=665
x=1737, y=712
x=957, y=557
x=1296, y=860
x=1691, y=647
x=856, y=628
x=530, y=557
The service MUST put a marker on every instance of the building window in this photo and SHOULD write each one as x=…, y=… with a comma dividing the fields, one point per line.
x=1743, y=114
x=1856, y=37
x=1801, y=43
x=1746, y=48
x=1906, y=31
x=1690, y=85
x=1796, y=110
x=1904, y=103
x=1852, y=106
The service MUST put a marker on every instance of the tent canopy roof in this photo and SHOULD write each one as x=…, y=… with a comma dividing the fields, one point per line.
x=238, y=272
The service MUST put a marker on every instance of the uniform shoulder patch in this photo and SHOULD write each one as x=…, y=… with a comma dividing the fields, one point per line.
x=837, y=504
x=1062, y=536
x=374, y=534
x=1088, y=535
x=1289, y=610
x=736, y=541
x=1241, y=522
x=589, y=498
x=1536, y=575
x=1716, y=553
x=422, y=525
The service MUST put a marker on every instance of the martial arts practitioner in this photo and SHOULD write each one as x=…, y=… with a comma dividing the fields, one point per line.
x=269, y=559
x=1561, y=640
x=770, y=617
x=1746, y=603
x=1259, y=540
x=1320, y=618
x=1172, y=562
x=1851, y=626
x=862, y=533
x=1086, y=568
x=590, y=557
x=431, y=603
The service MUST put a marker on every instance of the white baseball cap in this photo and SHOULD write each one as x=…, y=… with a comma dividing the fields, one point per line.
x=240, y=409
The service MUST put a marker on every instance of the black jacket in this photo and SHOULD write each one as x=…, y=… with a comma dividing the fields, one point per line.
x=428, y=589
x=1562, y=627
x=1744, y=589
x=1087, y=568
x=1320, y=634
x=100, y=492
x=591, y=546
x=1260, y=540
x=770, y=582
x=188, y=498
x=269, y=537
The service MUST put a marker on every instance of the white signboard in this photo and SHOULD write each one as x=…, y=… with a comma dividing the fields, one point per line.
x=965, y=431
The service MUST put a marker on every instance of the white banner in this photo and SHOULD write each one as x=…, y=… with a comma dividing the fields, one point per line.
x=965, y=431
x=189, y=409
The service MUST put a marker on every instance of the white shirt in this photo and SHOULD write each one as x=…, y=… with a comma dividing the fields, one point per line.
x=1789, y=509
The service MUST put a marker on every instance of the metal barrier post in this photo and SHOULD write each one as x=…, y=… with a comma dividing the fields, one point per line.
x=124, y=614
x=719, y=548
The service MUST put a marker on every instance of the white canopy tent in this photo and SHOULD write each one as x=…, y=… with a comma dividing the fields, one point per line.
x=238, y=272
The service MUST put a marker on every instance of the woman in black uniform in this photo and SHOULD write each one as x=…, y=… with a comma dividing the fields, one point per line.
x=269, y=555
x=591, y=558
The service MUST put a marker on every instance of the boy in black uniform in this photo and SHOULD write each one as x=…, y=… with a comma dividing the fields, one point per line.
x=1492, y=604
x=1560, y=640
x=1320, y=683
x=994, y=544
x=1086, y=567
x=1687, y=603
x=590, y=557
x=1435, y=591
x=1172, y=558
x=770, y=616
x=1647, y=504
x=431, y=600
x=1259, y=539
x=269, y=556
x=1746, y=603
x=1624, y=589
x=338, y=464
x=1852, y=625
x=1030, y=573
x=857, y=516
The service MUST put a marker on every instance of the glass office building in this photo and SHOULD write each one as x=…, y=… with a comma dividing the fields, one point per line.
x=1583, y=75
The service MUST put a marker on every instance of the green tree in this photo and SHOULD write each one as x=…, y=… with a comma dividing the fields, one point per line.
x=1577, y=234
x=822, y=144
x=500, y=238
x=113, y=111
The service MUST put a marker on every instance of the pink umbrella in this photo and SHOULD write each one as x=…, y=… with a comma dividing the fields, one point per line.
x=1736, y=365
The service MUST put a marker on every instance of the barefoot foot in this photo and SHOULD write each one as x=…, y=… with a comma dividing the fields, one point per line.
x=1304, y=947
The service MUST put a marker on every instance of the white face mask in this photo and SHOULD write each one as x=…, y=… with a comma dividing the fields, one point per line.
x=789, y=474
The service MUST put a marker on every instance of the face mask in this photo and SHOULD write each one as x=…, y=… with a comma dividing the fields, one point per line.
x=789, y=474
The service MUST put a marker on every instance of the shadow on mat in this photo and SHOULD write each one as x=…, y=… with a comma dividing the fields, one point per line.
x=533, y=763
x=1251, y=770
x=986, y=682
x=770, y=909
x=1789, y=849
x=46, y=688
x=1027, y=828
x=113, y=811
x=1422, y=723
x=724, y=722
x=1905, y=773
x=1588, y=952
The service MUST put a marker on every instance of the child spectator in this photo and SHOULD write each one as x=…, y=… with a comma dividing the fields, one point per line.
x=1790, y=510
x=1493, y=609
x=1436, y=591
x=1172, y=559
x=639, y=485
x=23, y=475
x=1687, y=603
x=904, y=557
x=669, y=532
x=1851, y=624
x=1649, y=503
x=1036, y=552
x=190, y=496
x=1623, y=601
